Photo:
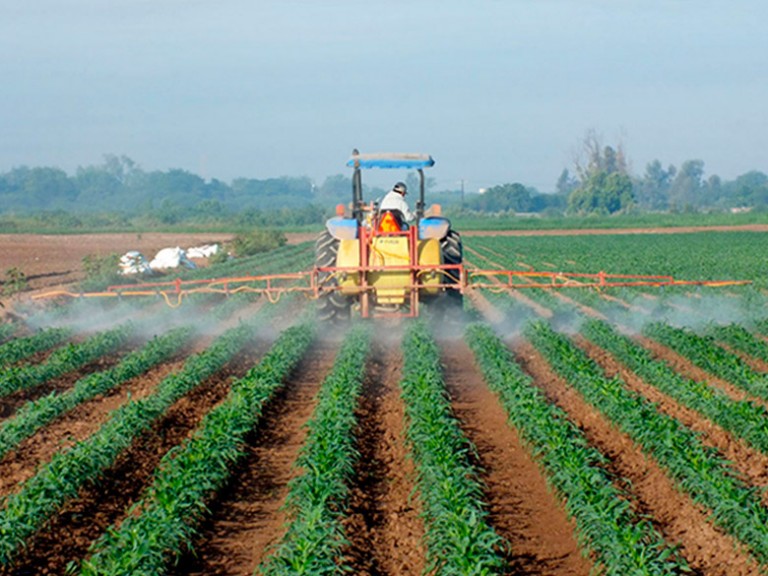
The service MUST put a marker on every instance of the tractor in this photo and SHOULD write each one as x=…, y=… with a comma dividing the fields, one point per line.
x=371, y=260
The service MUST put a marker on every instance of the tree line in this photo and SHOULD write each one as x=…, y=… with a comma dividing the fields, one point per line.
x=118, y=190
x=603, y=184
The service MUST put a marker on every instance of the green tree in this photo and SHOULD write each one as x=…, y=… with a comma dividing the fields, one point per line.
x=605, y=186
x=749, y=189
x=336, y=189
x=566, y=183
x=653, y=188
x=507, y=197
x=685, y=192
x=602, y=193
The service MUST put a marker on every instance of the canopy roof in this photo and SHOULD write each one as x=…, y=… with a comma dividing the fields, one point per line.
x=391, y=160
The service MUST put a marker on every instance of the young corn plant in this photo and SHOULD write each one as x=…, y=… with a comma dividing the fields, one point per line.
x=621, y=542
x=744, y=419
x=26, y=510
x=163, y=523
x=7, y=330
x=698, y=471
x=35, y=414
x=317, y=498
x=21, y=348
x=458, y=537
x=741, y=339
x=70, y=357
x=706, y=354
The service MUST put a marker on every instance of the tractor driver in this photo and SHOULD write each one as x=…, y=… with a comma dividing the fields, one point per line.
x=395, y=200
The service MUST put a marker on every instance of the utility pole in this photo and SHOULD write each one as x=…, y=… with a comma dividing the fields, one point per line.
x=462, y=192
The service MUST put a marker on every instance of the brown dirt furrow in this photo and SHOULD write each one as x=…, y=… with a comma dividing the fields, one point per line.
x=483, y=305
x=522, y=509
x=67, y=537
x=709, y=551
x=246, y=518
x=751, y=463
x=588, y=310
x=631, y=306
x=688, y=369
x=383, y=525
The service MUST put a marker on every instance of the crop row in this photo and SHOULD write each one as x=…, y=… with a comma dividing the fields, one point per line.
x=164, y=521
x=699, y=471
x=316, y=502
x=35, y=414
x=6, y=331
x=63, y=360
x=620, y=541
x=744, y=419
x=705, y=353
x=20, y=348
x=23, y=512
x=741, y=339
x=458, y=537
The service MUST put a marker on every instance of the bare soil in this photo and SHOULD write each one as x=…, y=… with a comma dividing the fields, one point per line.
x=52, y=260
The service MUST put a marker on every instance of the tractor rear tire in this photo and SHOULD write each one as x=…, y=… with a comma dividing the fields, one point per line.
x=331, y=305
x=451, y=302
x=453, y=253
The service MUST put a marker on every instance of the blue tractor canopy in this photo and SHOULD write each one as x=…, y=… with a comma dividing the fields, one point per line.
x=389, y=160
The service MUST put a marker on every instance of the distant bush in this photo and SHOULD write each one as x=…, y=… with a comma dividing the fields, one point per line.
x=257, y=242
x=100, y=270
x=15, y=281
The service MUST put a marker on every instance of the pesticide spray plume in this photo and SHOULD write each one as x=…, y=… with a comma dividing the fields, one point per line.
x=692, y=310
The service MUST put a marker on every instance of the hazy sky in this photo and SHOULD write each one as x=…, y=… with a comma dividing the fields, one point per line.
x=497, y=91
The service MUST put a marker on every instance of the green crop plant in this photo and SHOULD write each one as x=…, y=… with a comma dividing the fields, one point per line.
x=706, y=354
x=63, y=360
x=7, y=330
x=743, y=419
x=741, y=339
x=317, y=498
x=21, y=348
x=621, y=542
x=699, y=471
x=163, y=522
x=26, y=510
x=458, y=537
x=35, y=414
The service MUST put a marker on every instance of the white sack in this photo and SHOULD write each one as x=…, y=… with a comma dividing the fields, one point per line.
x=134, y=262
x=171, y=258
x=204, y=251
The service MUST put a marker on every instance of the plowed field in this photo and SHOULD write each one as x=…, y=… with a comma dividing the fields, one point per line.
x=383, y=515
